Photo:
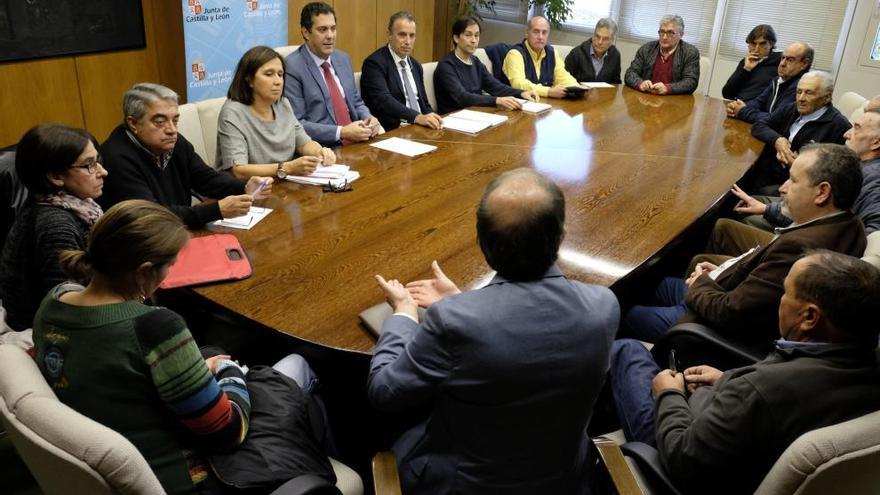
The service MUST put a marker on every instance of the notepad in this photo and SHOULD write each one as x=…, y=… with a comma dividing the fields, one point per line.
x=464, y=125
x=332, y=175
x=492, y=119
x=244, y=222
x=534, y=107
x=594, y=85
x=404, y=146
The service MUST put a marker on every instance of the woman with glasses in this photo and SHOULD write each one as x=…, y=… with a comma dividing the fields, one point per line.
x=62, y=171
x=257, y=132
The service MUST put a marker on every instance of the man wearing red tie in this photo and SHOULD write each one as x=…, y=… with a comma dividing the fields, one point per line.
x=319, y=82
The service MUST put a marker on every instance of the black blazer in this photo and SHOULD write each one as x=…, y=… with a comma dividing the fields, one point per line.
x=829, y=128
x=383, y=92
x=578, y=64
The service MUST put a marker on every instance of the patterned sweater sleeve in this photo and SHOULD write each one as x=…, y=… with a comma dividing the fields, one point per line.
x=215, y=410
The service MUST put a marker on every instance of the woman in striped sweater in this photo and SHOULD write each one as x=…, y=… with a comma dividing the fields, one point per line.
x=136, y=368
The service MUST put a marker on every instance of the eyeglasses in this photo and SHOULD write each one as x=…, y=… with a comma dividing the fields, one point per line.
x=91, y=164
x=337, y=188
x=667, y=34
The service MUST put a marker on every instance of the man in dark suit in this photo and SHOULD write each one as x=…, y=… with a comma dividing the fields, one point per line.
x=794, y=63
x=325, y=98
x=596, y=59
x=393, y=81
x=739, y=295
x=668, y=66
x=510, y=371
x=809, y=119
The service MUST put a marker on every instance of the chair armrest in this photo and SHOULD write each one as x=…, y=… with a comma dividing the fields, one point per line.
x=648, y=460
x=385, y=478
x=695, y=344
x=618, y=470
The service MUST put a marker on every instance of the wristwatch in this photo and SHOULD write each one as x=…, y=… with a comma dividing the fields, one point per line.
x=279, y=172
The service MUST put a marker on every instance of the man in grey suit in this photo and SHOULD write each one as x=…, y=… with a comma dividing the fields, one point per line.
x=511, y=370
x=319, y=82
x=669, y=66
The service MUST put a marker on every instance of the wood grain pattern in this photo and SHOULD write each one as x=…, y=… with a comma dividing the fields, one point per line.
x=636, y=170
x=356, y=24
x=36, y=92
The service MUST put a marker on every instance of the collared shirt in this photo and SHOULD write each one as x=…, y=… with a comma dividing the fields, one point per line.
x=803, y=119
x=794, y=344
x=779, y=82
x=598, y=62
x=319, y=62
x=408, y=78
x=515, y=70
x=160, y=161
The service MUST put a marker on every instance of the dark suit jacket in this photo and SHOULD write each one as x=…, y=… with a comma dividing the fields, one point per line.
x=829, y=128
x=383, y=92
x=578, y=63
x=306, y=89
x=744, y=299
x=745, y=85
x=511, y=372
x=759, y=107
x=685, y=67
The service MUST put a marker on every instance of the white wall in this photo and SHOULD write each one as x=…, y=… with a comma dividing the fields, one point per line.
x=851, y=76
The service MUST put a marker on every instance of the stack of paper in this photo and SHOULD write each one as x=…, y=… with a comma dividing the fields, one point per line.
x=244, y=222
x=404, y=146
x=593, y=85
x=534, y=107
x=471, y=121
x=334, y=175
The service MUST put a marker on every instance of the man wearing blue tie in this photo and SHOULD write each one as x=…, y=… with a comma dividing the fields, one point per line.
x=393, y=81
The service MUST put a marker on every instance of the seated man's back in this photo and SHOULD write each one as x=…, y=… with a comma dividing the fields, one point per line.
x=511, y=373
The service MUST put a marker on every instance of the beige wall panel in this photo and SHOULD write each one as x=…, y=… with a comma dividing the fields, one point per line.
x=169, y=44
x=36, y=92
x=104, y=77
x=294, y=8
x=424, y=12
x=356, y=24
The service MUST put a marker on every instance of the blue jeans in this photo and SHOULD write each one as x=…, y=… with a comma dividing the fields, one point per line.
x=649, y=323
x=297, y=368
x=632, y=371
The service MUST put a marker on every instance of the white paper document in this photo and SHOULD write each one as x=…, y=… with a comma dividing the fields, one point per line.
x=490, y=118
x=404, y=146
x=244, y=222
x=333, y=175
x=534, y=107
x=594, y=85
x=464, y=125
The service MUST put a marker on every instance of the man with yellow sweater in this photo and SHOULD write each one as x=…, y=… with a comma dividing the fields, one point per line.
x=534, y=65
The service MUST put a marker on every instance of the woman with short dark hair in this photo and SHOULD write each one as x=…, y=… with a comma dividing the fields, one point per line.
x=258, y=134
x=62, y=171
x=460, y=78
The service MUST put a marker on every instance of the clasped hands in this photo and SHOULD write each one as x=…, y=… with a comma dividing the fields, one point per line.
x=692, y=379
x=647, y=86
x=701, y=268
x=407, y=298
x=361, y=130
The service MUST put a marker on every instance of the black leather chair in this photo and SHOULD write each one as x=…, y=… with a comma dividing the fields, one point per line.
x=12, y=192
x=697, y=344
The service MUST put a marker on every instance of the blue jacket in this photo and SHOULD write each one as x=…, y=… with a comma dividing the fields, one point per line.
x=510, y=373
x=306, y=89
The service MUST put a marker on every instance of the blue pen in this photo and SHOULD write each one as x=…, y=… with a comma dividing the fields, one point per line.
x=263, y=183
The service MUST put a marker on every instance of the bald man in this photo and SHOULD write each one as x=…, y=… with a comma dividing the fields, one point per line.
x=510, y=371
x=534, y=65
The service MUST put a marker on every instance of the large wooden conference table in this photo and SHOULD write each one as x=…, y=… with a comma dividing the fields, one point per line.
x=636, y=169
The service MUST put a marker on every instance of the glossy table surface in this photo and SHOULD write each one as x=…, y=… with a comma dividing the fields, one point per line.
x=636, y=170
